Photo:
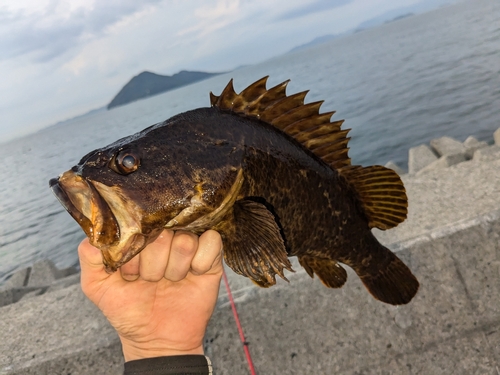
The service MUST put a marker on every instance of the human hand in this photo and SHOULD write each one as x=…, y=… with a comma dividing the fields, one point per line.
x=160, y=302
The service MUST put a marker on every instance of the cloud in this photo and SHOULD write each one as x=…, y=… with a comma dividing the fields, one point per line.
x=315, y=7
x=91, y=48
x=50, y=31
x=212, y=17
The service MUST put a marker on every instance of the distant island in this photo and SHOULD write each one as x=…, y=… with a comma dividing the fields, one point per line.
x=315, y=42
x=392, y=15
x=400, y=17
x=148, y=84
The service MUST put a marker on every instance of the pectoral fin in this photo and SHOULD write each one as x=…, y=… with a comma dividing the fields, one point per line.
x=253, y=245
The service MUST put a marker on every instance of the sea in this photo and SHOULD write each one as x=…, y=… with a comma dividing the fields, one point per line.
x=397, y=86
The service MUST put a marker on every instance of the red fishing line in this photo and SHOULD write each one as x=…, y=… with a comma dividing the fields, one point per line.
x=238, y=324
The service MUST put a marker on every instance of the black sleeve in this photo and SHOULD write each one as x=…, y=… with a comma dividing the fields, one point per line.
x=177, y=364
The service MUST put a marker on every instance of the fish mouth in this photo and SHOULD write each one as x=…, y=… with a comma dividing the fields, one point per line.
x=66, y=202
x=104, y=215
x=84, y=203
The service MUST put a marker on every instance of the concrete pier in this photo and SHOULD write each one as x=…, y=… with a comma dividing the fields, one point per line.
x=451, y=241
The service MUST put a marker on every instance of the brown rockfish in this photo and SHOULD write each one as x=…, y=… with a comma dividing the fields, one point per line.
x=268, y=172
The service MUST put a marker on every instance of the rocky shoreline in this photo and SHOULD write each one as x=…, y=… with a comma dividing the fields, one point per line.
x=451, y=241
x=446, y=151
x=43, y=277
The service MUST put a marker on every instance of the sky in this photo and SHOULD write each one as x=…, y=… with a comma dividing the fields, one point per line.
x=62, y=58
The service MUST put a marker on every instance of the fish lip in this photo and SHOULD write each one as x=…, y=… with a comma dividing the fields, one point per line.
x=69, y=206
x=102, y=227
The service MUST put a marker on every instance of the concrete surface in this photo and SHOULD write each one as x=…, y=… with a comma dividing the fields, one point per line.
x=451, y=241
x=13, y=294
x=64, y=282
x=447, y=146
x=18, y=279
x=451, y=327
x=471, y=145
x=44, y=272
x=443, y=162
x=419, y=157
x=43, y=277
x=446, y=151
x=57, y=333
x=487, y=153
x=447, y=198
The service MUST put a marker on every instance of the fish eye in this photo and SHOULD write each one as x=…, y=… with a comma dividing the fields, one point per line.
x=124, y=162
x=128, y=162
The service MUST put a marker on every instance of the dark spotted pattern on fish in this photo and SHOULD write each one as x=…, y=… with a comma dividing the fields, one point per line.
x=267, y=171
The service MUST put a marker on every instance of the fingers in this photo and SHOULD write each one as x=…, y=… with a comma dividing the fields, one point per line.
x=130, y=270
x=154, y=257
x=170, y=256
x=90, y=256
x=209, y=254
x=182, y=251
x=92, y=268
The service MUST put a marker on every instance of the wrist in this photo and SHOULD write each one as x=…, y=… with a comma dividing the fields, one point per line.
x=133, y=351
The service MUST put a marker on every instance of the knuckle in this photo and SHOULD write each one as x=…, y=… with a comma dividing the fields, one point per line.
x=151, y=277
x=173, y=276
x=130, y=277
x=212, y=238
x=200, y=266
x=185, y=244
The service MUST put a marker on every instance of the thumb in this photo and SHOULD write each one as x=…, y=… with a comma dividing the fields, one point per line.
x=91, y=264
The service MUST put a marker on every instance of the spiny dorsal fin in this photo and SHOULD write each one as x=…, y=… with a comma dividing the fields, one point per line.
x=381, y=193
x=289, y=114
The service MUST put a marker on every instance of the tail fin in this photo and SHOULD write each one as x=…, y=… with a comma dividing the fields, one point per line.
x=389, y=280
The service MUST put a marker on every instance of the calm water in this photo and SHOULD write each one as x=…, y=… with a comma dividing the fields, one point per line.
x=397, y=86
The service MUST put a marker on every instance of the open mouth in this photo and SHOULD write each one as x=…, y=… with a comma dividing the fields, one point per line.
x=84, y=203
x=108, y=219
x=63, y=198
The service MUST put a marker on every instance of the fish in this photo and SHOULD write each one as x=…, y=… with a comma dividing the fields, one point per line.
x=266, y=170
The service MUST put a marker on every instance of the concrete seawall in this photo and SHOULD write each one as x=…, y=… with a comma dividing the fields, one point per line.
x=451, y=241
x=451, y=327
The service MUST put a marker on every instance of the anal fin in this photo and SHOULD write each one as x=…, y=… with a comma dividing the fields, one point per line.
x=331, y=274
x=253, y=245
